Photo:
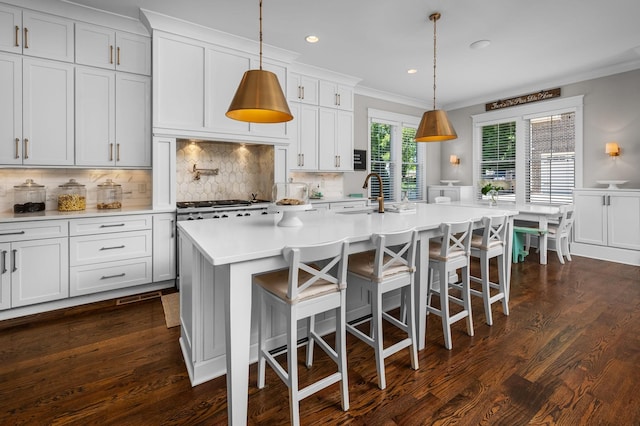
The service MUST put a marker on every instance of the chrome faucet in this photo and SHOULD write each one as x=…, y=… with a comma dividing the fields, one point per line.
x=380, y=197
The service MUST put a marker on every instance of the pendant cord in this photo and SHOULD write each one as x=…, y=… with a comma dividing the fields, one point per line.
x=261, y=35
x=434, y=18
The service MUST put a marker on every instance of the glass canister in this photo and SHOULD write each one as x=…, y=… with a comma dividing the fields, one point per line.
x=29, y=197
x=109, y=195
x=290, y=193
x=72, y=196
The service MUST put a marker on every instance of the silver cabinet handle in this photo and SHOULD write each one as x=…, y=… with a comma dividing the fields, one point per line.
x=17, y=35
x=26, y=148
x=17, y=148
x=339, y=99
x=26, y=38
x=12, y=233
x=106, y=277
x=14, y=255
x=302, y=92
x=302, y=159
x=111, y=226
x=112, y=248
x=117, y=152
x=118, y=56
x=3, y=268
x=173, y=228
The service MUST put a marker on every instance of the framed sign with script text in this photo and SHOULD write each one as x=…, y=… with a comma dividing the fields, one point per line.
x=524, y=99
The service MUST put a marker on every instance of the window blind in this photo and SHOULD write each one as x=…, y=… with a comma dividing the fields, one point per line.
x=381, y=159
x=412, y=175
x=498, y=158
x=550, y=161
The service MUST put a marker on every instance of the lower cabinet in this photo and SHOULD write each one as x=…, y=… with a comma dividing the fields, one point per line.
x=456, y=193
x=164, y=247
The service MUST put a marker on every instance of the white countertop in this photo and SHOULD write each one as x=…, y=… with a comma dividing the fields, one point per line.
x=6, y=217
x=237, y=240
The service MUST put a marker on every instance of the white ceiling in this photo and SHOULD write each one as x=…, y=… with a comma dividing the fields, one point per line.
x=535, y=44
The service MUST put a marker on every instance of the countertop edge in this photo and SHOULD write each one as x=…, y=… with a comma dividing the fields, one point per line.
x=56, y=215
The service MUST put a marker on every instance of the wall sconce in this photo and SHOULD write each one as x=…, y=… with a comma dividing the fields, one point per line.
x=454, y=160
x=612, y=149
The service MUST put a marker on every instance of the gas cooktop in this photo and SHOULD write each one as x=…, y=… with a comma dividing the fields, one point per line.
x=216, y=203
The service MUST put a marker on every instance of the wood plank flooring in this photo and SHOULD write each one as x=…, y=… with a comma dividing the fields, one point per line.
x=568, y=355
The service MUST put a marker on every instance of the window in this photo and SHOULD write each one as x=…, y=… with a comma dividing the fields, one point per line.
x=532, y=152
x=395, y=156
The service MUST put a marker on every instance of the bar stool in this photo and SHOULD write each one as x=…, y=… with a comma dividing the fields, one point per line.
x=390, y=267
x=448, y=255
x=486, y=246
x=303, y=291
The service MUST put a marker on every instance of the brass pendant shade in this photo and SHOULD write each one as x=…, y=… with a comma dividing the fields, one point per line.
x=259, y=99
x=435, y=125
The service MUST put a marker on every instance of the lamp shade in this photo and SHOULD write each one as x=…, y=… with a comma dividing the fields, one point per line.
x=454, y=159
x=259, y=99
x=612, y=149
x=435, y=127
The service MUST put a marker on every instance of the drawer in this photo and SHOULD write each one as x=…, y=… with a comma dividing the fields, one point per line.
x=89, y=279
x=33, y=230
x=88, y=249
x=349, y=205
x=107, y=224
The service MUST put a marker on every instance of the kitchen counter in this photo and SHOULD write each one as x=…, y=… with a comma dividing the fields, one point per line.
x=227, y=254
x=6, y=217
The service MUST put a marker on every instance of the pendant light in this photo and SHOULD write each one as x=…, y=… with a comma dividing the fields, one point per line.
x=259, y=98
x=435, y=125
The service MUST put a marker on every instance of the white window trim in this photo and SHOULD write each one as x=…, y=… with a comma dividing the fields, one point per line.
x=399, y=121
x=520, y=115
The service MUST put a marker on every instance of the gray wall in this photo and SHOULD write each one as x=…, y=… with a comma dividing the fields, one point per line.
x=611, y=113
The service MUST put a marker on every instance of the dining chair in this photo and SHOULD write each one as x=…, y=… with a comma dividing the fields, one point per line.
x=391, y=266
x=491, y=244
x=302, y=291
x=442, y=199
x=560, y=233
x=446, y=255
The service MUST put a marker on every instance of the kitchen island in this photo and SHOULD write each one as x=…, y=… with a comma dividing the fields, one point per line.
x=226, y=253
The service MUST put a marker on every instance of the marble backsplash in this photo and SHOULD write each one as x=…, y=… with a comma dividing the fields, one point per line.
x=331, y=185
x=243, y=169
x=136, y=185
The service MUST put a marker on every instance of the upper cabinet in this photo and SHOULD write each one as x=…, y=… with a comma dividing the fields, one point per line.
x=194, y=83
x=36, y=34
x=334, y=95
x=302, y=88
x=117, y=50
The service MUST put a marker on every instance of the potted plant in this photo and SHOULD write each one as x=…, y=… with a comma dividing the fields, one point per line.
x=489, y=188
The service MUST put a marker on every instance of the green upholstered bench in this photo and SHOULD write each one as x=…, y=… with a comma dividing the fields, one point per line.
x=518, y=251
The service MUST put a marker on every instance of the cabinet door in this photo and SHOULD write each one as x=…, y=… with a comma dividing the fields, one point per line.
x=590, y=225
x=224, y=72
x=333, y=95
x=95, y=117
x=164, y=247
x=10, y=29
x=344, y=141
x=10, y=109
x=95, y=45
x=327, y=139
x=39, y=271
x=623, y=218
x=302, y=88
x=133, y=53
x=48, y=108
x=178, y=83
x=304, y=144
x=47, y=36
x=5, y=276
x=133, y=120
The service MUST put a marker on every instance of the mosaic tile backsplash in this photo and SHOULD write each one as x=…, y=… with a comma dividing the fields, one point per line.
x=136, y=185
x=243, y=169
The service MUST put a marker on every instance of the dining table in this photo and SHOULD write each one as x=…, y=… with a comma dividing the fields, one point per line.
x=235, y=250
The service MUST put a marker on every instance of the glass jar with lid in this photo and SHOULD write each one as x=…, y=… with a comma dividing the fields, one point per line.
x=72, y=196
x=290, y=193
x=109, y=195
x=29, y=197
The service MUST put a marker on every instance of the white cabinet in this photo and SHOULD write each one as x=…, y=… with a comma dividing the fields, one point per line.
x=164, y=247
x=334, y=95
x=456, y=193
x=117, y=50
x=112, y=119
x=109, y=253
x=34, y=261
x=37, y=118
x=303, y=150
x=335, y=140
x=302, y=88
x=607, y=225
x=36, y=34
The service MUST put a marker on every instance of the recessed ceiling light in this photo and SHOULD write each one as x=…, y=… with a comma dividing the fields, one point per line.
x=312, y=39
x=480, y=44
x=412, y=71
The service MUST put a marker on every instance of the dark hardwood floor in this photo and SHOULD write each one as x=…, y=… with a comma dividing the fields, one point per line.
x=568, y=354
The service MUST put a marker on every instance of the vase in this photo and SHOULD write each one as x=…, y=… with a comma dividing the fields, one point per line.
x=493, y=197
